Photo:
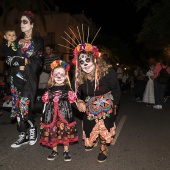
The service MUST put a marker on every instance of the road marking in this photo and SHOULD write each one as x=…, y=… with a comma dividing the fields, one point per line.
x=118, y=128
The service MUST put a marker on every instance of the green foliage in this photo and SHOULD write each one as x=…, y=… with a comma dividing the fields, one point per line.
x=117, y=50
x=156, y=33
x=141, y=3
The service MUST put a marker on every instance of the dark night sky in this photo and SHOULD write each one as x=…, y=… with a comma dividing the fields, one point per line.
x=116, y=17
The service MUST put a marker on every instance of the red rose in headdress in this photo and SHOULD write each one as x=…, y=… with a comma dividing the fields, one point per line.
x=29, y=13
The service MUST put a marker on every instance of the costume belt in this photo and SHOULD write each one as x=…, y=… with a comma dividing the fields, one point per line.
x=99, y=107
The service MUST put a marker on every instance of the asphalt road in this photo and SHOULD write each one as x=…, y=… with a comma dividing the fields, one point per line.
x=142, y=143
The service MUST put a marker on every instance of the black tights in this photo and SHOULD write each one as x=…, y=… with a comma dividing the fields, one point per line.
x=22, y=126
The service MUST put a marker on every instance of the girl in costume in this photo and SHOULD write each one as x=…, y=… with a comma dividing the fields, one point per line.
x=29, y=47
x=58, y=125
x=98, y=90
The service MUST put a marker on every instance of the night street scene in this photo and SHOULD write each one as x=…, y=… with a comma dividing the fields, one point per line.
x=85, y=85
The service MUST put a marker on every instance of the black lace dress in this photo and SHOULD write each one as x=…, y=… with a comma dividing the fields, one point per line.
x=58, y=125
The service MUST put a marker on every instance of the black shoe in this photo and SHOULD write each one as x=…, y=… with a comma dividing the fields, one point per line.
x=67, y=156
x=33, y=135
x=22, y=77
x=52, y=156
x=23, y=139
x=88, y=148
x=102, y=157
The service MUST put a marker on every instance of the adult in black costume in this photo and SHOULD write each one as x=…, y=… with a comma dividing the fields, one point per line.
x=30, y=47
x=98, y=89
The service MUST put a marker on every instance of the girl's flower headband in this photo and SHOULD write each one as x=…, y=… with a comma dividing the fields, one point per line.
x=57, y=63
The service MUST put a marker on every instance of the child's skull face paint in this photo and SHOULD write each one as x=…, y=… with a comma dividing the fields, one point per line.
x=25, y=24
x=86, y=63
x=59, y=75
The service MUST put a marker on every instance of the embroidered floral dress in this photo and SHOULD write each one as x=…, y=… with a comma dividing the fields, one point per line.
x=99, y=118
x=58, y=125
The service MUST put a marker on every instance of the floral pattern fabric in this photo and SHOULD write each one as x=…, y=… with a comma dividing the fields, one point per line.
x=62, y=129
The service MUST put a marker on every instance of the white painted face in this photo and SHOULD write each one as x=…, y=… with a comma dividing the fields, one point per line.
x=86, y=63
x=59, y=75
x=25, y=24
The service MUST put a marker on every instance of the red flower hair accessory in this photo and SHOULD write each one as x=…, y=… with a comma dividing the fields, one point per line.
x=85, y=47
x=60, y=63
x=29, y=13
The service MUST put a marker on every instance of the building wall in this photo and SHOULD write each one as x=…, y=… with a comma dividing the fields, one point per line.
x=58, y=25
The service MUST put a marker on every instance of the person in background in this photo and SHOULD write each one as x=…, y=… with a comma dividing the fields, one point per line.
x=148, y=96
x=30, y=48
x=120, y=72
x=49, y=58
x=60, y=127
x=125, y=82
x=159, y=88
x=98, y=91
x=139, y=83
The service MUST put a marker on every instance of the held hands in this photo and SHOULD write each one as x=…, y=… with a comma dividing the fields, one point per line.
x=81, y=106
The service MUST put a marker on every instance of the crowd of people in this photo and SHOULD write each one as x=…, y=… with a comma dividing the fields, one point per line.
x=145, y=84
x=94, y=90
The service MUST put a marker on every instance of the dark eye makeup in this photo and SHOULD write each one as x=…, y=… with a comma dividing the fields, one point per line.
x=24, y=22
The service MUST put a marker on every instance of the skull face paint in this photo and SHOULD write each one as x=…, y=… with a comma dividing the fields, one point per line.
x=25, y=24
x=86, y=63
x=59, y=75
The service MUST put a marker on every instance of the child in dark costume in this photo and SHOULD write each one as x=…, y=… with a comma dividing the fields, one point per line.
x=9, y=47
x=58, y=125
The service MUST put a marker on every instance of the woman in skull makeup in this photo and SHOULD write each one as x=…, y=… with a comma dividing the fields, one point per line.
x=57, y=123
x=98, y=90
x=30, y=47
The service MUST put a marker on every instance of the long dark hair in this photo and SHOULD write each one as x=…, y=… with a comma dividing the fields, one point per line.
x=35, y=32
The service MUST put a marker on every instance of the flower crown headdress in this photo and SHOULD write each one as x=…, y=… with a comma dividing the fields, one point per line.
x=29, y=14
x=57, y=63
x=82, y=46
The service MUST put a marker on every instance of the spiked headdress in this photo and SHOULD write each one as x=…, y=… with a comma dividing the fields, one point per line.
x=82, y=45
